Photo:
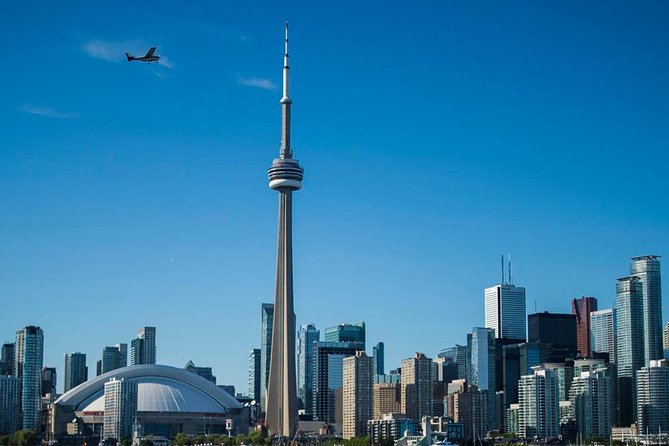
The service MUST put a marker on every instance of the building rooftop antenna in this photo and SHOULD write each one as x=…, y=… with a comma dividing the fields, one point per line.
x=510, y=272
x=502, y=283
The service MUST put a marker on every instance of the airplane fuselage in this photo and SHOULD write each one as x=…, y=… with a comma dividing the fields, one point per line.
x=146, y=59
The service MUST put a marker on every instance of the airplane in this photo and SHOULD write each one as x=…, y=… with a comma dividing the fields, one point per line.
x=148, y=58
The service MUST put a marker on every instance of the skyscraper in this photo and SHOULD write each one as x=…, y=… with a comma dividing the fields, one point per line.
x=647, y=269
x=665, y=341
x=581, y=308
x=328, y=376
x=7, y=359
x=10, y=404
x=307, y=335
x=653, y=397
x=481, y=367
x=557, y=329
x=143, y=347
x=602, y=335
x=505, y=312
x=266, y=325
x=254, y=374
x=539, y=412
x=49, y=380
x=205, y=372
x=591, y=397
x=357, y=394
x=29, y=356
x=120, y=397
x=346, y=333
x=113, y=358
x=417, y=382
x=629, y=345
x=379, y=358
x=76, y=371
x=285, y=176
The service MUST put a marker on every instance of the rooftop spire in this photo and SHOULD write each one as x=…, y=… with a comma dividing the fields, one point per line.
x=286, y=151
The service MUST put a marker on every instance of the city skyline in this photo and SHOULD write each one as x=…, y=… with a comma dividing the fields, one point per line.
x=122, y=202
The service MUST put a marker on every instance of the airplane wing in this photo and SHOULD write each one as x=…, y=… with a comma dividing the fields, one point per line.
x=150, y=52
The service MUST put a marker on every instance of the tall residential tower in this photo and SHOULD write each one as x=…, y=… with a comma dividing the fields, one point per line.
x=285, y=176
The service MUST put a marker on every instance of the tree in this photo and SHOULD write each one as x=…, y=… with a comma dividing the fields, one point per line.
x=126, y=442
x=5, y=440
x=23, y=437
x=145, y=442
x=181, y=439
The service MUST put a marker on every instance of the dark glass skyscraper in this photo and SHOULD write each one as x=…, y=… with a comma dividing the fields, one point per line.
x=254, y=374
x=629, y=345
x=266, y=324
x=346, y=333
x=28, y=365
x=143, y=347
x=379, y=358
x=306, y=337
x=557, y=329
x=76, y=371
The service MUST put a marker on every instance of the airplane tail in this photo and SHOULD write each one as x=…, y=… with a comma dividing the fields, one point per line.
x=129, y=57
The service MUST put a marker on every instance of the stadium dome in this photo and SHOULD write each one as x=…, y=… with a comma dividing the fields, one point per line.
x=160, y=388
x=169, y=400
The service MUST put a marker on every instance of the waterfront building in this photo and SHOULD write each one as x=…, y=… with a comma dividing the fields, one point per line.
x=328, y=377
x=379, y=358
x=390, y=426
x=113, y=358
x=557, y=329
x=647, y=269
x=29, y=355
x=76, y=371
x=591, y=398
x=347, y=332
x=254, y=374
x=602, y=324
x=357, y=394
x=505, y=312
x=629, y=345
x=653, y=397
x=266, y=326
x=417, y=387
x=205, y=372
x=10, y=404
x=539, y=410
x=120, y=408
x=306, y=336
x=143, y=347
x=581, y=308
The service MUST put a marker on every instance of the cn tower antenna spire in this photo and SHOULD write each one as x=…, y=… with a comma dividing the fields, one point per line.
x=286, y=151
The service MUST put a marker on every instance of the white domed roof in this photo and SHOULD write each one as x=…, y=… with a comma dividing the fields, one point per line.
x=159, y=389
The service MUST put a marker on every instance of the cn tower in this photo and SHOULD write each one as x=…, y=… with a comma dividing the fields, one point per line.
x=285, y=176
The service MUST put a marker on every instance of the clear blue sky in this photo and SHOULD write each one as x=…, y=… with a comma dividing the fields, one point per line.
x=435, y=136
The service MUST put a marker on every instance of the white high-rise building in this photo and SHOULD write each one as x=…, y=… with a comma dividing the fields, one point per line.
x=120, y=408
x=591, y=398
x=602, y=332
x=539, y=409
x=505, y=311
x=652, y=394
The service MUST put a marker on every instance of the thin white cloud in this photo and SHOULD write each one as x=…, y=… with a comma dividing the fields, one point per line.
x=115, y=51
x=257, y=82
x=47, y=111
